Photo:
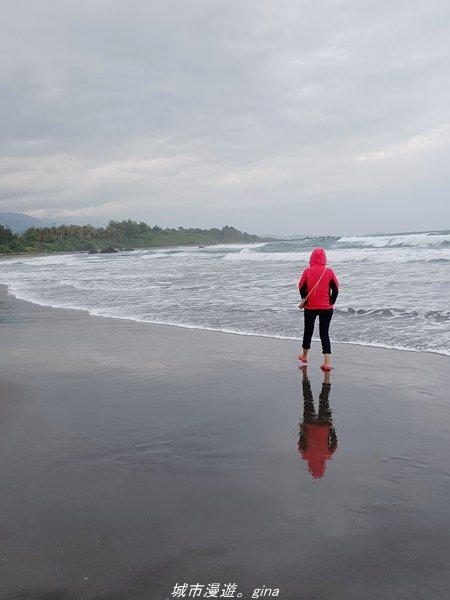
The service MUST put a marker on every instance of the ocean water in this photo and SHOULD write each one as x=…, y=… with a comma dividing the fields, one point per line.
x=394, y=289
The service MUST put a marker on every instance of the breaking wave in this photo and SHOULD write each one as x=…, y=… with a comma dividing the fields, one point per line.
x=394, y=288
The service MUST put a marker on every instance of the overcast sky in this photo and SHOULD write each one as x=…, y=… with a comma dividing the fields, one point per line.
x=294, y=116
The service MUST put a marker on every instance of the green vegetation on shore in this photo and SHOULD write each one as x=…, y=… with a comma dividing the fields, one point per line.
x=122, y=235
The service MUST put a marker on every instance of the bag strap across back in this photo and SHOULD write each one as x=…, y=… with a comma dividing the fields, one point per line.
x=316, y=284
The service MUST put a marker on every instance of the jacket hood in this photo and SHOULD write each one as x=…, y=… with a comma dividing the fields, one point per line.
x=318, y=257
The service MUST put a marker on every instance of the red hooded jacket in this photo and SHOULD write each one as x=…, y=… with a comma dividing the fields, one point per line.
x=324, y=296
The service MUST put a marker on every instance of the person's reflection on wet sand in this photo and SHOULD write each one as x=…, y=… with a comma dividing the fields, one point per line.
x=317, y=437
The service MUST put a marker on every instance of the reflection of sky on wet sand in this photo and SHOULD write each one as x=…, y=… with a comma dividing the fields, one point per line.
x=191, y=470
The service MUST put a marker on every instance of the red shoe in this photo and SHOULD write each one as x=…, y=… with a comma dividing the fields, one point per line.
x=326, y=368
x=303, y=360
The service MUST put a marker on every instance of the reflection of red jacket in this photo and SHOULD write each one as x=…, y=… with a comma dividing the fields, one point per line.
x=320, y=298
x=318, y=450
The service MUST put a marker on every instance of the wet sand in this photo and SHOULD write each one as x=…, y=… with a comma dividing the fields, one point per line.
x=135, y=457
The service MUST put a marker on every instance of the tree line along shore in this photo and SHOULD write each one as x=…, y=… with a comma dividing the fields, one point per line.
x=120, y=235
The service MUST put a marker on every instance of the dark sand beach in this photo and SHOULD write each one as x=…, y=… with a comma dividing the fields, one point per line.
x=135, y=457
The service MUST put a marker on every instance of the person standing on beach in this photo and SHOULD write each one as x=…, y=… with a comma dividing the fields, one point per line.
x=319, y=289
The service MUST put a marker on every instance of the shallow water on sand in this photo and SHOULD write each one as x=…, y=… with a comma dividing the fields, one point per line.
x=135, y=457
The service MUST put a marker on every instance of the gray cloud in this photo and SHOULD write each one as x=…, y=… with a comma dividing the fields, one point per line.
x=285, y=117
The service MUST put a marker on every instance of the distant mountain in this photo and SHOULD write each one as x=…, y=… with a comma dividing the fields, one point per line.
x=19, y=222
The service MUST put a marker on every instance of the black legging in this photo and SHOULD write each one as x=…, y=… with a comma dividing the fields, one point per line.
x=324, y=325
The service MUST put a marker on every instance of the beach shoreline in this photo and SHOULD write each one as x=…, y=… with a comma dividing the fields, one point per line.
x=225, y=331
x=137, y=456
x=251, y=290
